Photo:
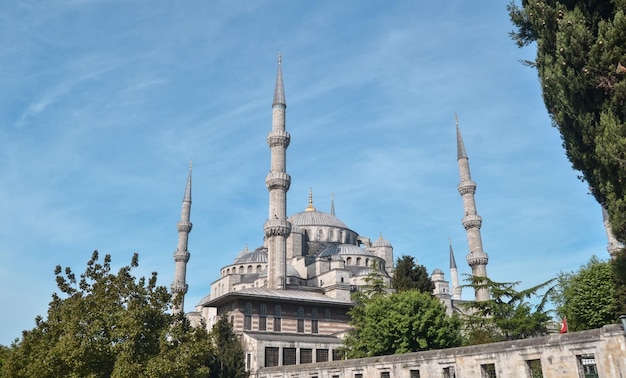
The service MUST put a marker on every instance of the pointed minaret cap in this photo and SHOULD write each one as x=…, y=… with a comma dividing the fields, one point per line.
x=460, y=146
x=452, y=260
x=310, y=207
x=187, y=197
x=279, y=92
x=332, y=204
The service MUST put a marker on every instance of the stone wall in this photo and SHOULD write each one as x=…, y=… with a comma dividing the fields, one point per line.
x=558, y=355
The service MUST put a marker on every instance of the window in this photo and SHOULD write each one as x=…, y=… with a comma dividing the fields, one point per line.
x=384, y=374
x=300, y=322
x=327, y=314
x=247, y=318
x=314, y=321
x=277, y=317
x=249, y=268
x=448, y=372
x=488, y=371
x=358, y=261
x=248, y=357
x=337, y=355
x=262, y=317
x=587, y=366
x=289, y=356
x=534, y=368
x=415, y=374
x=306, y=356
x=321, y=355
x=358, y=375
x=271, y=356
x=349, y=261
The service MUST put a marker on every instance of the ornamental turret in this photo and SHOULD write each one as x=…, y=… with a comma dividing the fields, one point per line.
x=476, y=258
x=181, y=255
x=277, y=181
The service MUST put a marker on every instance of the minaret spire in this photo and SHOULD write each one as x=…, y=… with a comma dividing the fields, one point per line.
x=181, y=255
x=277, y=181
x=454, y=275
x=332, y=204
x=310, y=207
x=477, y=259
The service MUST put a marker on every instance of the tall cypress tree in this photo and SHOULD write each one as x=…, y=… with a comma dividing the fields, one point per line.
x=581, y=62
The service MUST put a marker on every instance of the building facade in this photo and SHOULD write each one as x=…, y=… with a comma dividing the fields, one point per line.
x=289, y=298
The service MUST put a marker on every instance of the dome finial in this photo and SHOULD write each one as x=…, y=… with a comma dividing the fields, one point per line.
x=310, y=207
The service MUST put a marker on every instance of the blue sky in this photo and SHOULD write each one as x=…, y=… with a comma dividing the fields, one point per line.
x=104, y=103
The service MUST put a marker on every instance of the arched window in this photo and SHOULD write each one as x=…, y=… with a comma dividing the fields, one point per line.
x=331, y=235
x=314, y=321
x=349, y=261
x=320, y=234
x=241, y=269
x=367, y=262
x=249, y=269
x=277, y=318
x=358, y=261
x=247, y=318
x=259, y=268
x=300, y=323
x=228, y=271
x=262, y=317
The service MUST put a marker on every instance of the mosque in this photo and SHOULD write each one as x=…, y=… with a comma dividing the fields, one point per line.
x=289, y=298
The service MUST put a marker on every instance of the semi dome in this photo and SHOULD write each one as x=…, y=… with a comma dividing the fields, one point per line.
x=315, y=218
x=344, y=249
x=259, y=255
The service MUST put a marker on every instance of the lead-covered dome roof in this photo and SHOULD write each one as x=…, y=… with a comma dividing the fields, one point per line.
x=380, y=242
x=259, y=255
x=344, y=249
x=316, y=218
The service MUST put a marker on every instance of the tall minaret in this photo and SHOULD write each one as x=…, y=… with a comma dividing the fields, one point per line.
x=277, y=181
x=614, y=245
x=181, y=255
x=477, y=259
x=454, y=275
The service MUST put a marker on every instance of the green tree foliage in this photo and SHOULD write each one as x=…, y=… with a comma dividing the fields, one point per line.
x=507, y=315
x=229, y=352
x=581, y=54
x=403, y=322
x=618, y=263
x=110, y=325
x=587, y=297
x=408, y=276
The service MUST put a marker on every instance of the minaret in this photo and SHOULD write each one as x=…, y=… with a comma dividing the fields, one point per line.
x=454, y=276
x=477, y=259
x=332, y=204
x=614, y=245
x=181, y=255
x=277, y=181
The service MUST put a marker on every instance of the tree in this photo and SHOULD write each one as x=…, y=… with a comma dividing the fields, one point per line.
x=587, y=297
x=230, y=354
x=507, y=315
x=408, y=275
x=403, y=322
x=110, y=325
x=581, y=53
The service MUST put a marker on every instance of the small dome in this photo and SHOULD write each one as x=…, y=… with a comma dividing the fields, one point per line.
x=437, y=271
x=380, y=242
x=258, y=256
x=344, y=249
x=315, y=218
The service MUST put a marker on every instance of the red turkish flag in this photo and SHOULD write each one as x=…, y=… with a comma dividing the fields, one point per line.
x=564, y=328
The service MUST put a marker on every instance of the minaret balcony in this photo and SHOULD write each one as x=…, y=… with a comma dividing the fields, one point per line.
x=278, y=138
x=179, y=287
x=466, y=187
x=181, y=256
x=184, y=226
x=477, y=259
x=277, y=180
x=277, y=227
x=472, y=221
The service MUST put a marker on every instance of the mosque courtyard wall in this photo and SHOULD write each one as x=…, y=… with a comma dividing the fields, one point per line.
x=579, y=354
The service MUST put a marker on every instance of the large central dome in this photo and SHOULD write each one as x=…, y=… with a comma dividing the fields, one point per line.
x=315, y=218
